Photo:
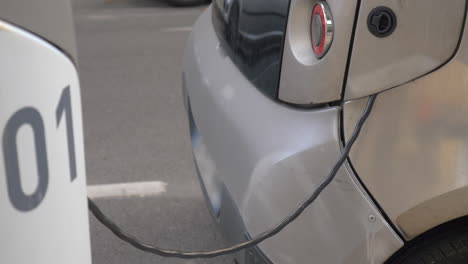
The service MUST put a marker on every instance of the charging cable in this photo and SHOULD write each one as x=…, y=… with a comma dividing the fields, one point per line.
x=107, y=222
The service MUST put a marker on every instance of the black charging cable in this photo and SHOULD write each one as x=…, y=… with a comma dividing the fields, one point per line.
x=106, y=221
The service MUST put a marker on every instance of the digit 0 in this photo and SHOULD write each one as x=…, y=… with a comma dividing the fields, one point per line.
x=20, y=200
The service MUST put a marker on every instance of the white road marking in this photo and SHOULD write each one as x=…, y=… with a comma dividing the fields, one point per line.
x=131, y=189
x=119, y=16
x=177, y=29
x=99, y=17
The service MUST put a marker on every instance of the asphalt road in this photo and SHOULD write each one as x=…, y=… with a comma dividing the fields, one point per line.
x=130, y=54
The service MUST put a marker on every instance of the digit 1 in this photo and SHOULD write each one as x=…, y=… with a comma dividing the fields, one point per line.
x=21, y=201
x=64, y=106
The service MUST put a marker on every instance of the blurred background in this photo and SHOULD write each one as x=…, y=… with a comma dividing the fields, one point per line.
x=130, y=58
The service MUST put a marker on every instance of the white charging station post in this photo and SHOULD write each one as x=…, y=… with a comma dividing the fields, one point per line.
x=44, y=217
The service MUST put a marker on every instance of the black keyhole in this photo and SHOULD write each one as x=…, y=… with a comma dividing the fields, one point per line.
x=381, y=21
x=384, y=23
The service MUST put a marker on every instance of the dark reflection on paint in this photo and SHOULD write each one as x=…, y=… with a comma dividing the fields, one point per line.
x=252, y=32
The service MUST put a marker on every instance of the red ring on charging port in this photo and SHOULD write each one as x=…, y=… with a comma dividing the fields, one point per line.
x=321, y=29
x=318, y=10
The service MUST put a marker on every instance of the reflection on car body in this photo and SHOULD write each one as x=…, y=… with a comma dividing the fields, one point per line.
x=253, y=32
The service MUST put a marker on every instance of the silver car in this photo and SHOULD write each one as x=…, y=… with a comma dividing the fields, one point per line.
x=273, y=89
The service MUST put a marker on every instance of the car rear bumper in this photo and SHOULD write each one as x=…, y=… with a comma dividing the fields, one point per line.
x=258, y=160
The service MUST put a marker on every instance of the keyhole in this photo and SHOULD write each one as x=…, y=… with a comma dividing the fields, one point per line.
x=381, y=21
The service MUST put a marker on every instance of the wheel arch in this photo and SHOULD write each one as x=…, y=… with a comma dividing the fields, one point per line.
x=434, y=212
x=440, y=232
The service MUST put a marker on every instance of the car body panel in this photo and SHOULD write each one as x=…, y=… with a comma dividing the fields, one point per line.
x=426, y=37
x=270, y=157
x=306, y=80
x=412, y=154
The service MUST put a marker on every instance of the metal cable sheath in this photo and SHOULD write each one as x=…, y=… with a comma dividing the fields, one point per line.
x=114, y=228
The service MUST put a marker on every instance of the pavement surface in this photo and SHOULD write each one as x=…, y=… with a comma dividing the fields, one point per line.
x=130, y=54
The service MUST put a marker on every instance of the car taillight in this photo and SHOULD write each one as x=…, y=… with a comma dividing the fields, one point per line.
x=321, y=29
